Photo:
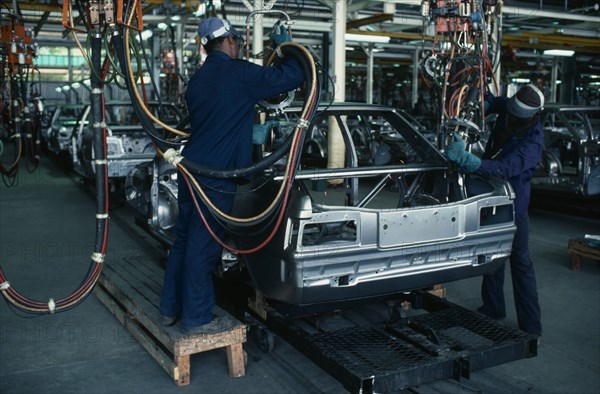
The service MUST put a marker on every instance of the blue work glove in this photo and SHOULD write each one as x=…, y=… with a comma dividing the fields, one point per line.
x=455, y=152
x=280, y=38
x=260, y=131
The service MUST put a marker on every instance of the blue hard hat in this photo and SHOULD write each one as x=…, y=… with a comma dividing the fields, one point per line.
x=214, y=27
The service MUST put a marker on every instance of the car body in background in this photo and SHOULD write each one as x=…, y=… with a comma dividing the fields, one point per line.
x=127, y=143
x=58, y=134
x=570, y=162
x=395, y=217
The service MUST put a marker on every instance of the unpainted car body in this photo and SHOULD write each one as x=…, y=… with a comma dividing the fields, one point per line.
x=398, y=219
x=128, y=144
x=59, y=133
x=571, y=159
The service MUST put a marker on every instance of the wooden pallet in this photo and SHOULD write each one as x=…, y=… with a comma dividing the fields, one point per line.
x=578, y=249
x=130, y=289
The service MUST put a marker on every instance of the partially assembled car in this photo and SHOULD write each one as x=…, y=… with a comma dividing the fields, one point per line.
x=59, y=132
x=395, y=216
x=571, y=159
x=127, y=143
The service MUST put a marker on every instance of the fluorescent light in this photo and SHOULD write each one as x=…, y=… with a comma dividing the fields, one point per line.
x=176, y=18
x=521, y=80
x=567, y=31
x=367, y=38
x=558, y=52
x=76, y=85
x=162, y=26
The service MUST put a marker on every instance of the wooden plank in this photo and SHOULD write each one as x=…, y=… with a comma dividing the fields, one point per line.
x=138, y=271
x=575, y=262
x=578, y=249
x=202, y=343
x=438, y=291
x=146, y=341
x=578, y=246
x=235, y=360
x=152, y=294
x=146, y=267
x=137, y=306
x=134, y=299
x=183, y=363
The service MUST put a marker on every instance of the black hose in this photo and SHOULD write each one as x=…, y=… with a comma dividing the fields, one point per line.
x=263, y=164
x=97, y=127
x=193, y=167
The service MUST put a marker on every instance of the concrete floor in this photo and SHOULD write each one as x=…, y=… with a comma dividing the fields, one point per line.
x=46, y=238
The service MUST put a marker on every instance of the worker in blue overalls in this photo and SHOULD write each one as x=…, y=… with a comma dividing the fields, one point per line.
x=220, y=97
x=513, y=150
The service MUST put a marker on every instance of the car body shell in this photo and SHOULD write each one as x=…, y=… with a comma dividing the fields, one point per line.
x=127, y=143
x=571, y=159
x=59, y=132
x=382, y=223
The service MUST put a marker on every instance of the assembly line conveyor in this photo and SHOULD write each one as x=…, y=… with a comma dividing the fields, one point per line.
x=442, y=341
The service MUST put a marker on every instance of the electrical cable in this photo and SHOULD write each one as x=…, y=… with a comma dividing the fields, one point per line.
x=76, y=297
x=147, y=119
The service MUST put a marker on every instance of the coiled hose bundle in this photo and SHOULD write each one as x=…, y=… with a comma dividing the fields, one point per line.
x=97, y=259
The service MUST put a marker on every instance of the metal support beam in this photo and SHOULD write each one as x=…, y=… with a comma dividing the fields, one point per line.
x=369, y=52
x=41, y=22
x=408, y=36
x=528, y=13
x=179, y=54
x=339, y=50
x=376, y=18
x=257, y=36
x=155, y=63
x=415, y=77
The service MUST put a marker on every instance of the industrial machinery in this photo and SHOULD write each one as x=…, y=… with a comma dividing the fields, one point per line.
x=17, y=52
x=462, y=63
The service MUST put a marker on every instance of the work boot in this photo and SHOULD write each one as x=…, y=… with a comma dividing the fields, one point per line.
x=217, y=325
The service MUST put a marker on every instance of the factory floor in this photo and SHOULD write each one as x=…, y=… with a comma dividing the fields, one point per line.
x=46, y=238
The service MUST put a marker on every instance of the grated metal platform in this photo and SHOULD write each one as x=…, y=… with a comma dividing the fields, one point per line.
x=447, y=342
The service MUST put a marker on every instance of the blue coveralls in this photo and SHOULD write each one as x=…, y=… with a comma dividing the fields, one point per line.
x=220, y=97
x=515, y=161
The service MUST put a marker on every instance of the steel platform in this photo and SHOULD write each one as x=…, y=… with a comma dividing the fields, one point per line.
x=446, y=342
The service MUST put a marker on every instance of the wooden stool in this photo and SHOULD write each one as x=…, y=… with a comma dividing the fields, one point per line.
x=578, y=249
x=130, y=290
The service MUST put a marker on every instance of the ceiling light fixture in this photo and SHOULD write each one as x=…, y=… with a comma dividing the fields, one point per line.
x=558, y=52
x=367, y=38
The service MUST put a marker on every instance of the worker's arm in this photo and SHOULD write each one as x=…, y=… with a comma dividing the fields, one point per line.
x=264, y=82
x=523, y=156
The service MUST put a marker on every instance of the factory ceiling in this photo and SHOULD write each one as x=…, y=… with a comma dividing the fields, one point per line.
x=528, y=27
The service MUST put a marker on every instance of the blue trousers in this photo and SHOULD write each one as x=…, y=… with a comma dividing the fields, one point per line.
x=188, y=288
x=524, y=284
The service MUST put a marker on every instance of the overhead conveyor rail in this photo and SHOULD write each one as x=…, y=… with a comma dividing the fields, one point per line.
x=446, y=342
